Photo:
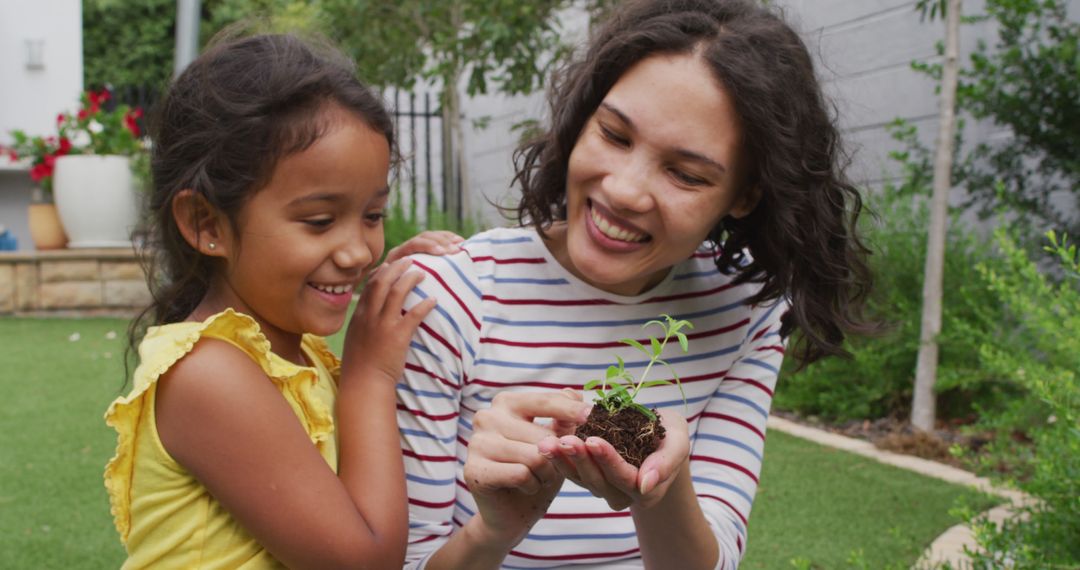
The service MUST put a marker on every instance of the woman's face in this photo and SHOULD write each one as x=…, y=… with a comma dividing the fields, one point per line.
x=656, y=167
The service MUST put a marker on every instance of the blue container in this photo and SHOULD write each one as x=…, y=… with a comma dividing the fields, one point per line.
x=8, y=242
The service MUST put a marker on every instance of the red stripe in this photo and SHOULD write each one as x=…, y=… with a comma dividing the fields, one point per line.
x=508, y=260
x=462, y=484
x=441, y=340
x=776, y=347
x=552, y=385
x=439, y=278
x=760, y=333
x=738, y=542
x=729, y=505
x=435, y=458
x=754, y=383
x=430, y=374
x=430, y=505
x=705, y=255
x=613, y=344
x=462, y=441
x=615, y=515
x=725, y=463
x=575, y=556
x=425, y=539
x=733, y=419
x=422, y=414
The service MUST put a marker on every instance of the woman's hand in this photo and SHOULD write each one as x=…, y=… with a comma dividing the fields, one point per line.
x=380, y=330
x=595, y=465
x=431, y=242
x=513, y=485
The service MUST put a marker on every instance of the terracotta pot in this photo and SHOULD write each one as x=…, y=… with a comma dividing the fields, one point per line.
x=45, y=228
x=96, y=199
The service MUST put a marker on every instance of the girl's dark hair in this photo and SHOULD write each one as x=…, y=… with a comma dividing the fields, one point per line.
x=802, y=236
x=220, y=130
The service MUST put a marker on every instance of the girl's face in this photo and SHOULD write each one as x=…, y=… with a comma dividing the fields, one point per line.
x=309, y=237
x=655, y=168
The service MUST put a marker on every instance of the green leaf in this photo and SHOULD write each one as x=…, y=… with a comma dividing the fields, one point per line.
x=614, y=371
x=648, y=413
x=657, y=348
x=683, y=342
x=591, y=384
x=635, y=344
x=652, y=383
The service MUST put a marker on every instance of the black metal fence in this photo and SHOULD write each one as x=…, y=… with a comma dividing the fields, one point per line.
x=427, y=179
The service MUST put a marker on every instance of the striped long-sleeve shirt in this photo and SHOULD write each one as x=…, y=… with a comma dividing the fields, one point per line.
x=510, y=317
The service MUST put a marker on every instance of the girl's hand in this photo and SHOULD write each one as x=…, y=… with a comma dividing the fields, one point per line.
x=431, y=242
x=513, y=485
x=596, y=466
x=380, y=329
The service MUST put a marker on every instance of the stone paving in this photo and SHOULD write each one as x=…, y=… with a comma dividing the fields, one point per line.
x=949, y=546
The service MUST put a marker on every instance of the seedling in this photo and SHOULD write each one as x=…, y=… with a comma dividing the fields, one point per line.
x=618, y=389
x=631, y=428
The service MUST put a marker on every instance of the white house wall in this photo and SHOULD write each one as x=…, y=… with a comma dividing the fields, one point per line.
x=30, y=99
x=863, y=49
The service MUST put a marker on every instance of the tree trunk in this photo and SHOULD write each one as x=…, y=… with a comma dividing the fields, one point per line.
x=923, y=406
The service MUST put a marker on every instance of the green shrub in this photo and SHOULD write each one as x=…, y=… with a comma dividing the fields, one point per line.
x=1042, y=355
x=877, y=381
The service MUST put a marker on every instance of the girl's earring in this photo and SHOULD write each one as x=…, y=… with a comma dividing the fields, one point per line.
x=212, y=245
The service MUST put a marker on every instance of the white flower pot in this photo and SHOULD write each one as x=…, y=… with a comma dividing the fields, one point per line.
x=96, y=198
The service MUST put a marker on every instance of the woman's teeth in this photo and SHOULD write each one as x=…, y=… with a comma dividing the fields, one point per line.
x=615, y=232
x=333, y=289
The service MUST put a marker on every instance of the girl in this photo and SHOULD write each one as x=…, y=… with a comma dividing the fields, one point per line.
x=690, y=168
x=244, y=442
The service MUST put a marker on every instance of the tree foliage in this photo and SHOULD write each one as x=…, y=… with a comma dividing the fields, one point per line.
x=128, y=43
x=1027, y=84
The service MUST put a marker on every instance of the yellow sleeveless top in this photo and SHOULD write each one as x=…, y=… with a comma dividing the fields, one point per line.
x=165, y=517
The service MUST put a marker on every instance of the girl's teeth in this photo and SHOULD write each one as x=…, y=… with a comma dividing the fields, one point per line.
x=334, y=290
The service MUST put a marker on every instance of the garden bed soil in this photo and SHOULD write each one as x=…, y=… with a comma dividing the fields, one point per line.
x=899, y=436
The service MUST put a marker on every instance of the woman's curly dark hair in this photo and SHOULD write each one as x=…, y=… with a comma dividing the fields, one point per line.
x=801, y=236
x=221, y=129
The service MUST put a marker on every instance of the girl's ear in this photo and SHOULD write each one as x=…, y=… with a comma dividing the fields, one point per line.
x=746, y=203
x=203, y=227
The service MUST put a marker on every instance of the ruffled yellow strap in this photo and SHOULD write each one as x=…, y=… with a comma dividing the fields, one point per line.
x=164, y=346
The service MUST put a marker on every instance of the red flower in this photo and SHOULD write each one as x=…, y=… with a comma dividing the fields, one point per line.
x=83, y=114
x=60, y=119
x=129, y=122
x=64, y=146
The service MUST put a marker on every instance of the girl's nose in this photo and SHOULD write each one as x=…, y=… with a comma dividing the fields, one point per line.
x=354, y=253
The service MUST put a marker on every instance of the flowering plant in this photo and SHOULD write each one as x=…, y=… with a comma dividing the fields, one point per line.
x=89, y=130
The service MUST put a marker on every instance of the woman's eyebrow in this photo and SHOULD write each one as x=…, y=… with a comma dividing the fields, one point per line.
x=681, y=152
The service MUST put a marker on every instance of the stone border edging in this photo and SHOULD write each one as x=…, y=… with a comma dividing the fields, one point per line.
x=949, y=546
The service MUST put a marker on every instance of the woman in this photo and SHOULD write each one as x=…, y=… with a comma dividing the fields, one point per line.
x=686, y=122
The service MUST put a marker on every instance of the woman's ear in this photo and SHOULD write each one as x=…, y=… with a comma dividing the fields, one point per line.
x=746, y=203
x=203, y=227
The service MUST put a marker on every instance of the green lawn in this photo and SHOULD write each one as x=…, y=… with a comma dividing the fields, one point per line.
x=816, y=507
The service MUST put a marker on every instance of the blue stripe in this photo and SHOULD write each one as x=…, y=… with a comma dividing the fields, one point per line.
x=500, y=240
x=461, y=275
x=464, y=423
x=527, y=280
x=750, y=332
x=586, y=324
x=679, y=402
x=606, y=536
x=426, y=481
x=427, y=435
x=743, y=401
x=460, y=505
x=730, y=441
x=425, y=393
x=572, y=366
x=450, y=320
x=761, y=364
x=723, y=485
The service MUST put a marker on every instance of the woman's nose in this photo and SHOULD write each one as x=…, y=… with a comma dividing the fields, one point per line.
x=628, y=185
